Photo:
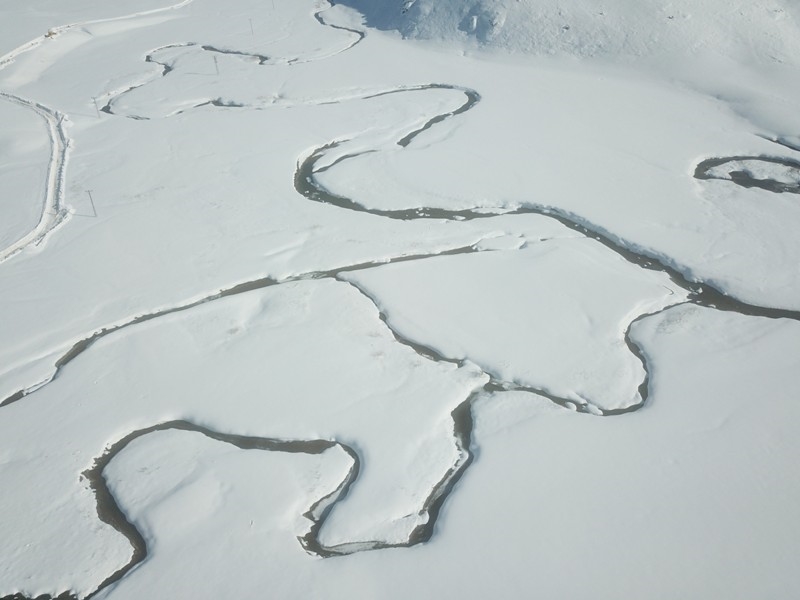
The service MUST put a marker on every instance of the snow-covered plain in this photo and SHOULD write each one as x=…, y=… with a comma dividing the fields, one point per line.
x=293, y=306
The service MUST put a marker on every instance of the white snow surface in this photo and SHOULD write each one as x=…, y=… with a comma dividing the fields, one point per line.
x=301, y=361
x=278, y=288
x=561, y=327
x=249, y=502
x=611, y=28
x=760, y=170
x=23, y=174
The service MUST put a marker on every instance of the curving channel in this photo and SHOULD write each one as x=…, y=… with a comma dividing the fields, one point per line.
x=109, y=511
x=54, y=211
x=701, y=293
x=260, y=59
x=308, y=187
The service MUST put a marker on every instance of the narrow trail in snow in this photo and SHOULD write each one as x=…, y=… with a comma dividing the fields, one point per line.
x=740, y=175
x=54, y=212
x=53, y=32
x=306, y=184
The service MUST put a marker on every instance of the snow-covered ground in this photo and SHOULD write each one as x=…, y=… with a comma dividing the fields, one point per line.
x=383, y=299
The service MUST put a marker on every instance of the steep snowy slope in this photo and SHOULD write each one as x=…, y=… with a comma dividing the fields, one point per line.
x=614, y=28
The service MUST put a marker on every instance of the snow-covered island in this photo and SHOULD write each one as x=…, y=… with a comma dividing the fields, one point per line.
x=399, y=299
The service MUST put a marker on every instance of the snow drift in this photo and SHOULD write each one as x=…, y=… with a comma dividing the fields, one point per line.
x=740, y=30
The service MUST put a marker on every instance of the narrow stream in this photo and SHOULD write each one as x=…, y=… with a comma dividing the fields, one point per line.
x=307, y=186
x=109, y=511
x=701, y=293
x=745, y=179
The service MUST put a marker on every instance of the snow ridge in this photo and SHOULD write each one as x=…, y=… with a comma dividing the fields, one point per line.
x=585, y=28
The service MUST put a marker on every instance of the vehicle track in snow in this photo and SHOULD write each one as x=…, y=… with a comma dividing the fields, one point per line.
x=54, y=211
x=741, y=175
